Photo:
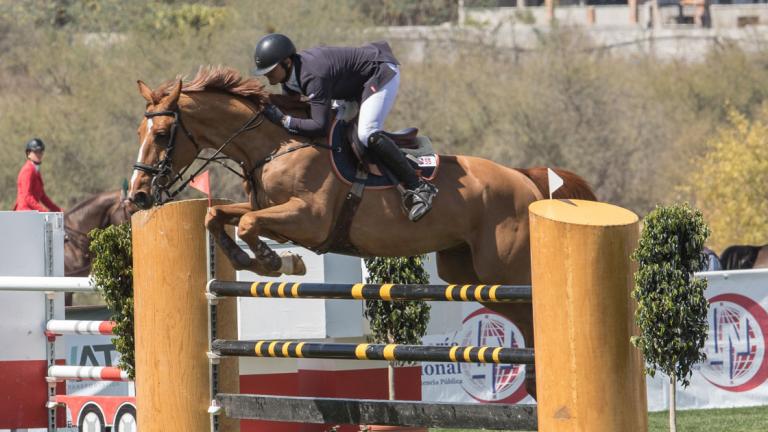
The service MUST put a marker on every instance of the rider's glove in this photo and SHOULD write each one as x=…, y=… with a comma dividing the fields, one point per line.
x=277, y=117
x=274, y=114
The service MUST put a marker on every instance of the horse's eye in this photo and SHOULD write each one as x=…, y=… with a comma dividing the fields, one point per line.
x=162, y=134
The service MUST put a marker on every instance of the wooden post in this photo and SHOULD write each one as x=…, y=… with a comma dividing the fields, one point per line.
x=632, y=4
x=550, y=5
x=591, y=15
x=589, y=375
x=171, y=319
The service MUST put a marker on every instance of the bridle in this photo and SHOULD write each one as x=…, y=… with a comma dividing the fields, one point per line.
x=162, y=173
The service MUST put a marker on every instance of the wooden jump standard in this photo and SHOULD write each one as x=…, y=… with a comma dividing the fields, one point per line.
x=482, y=293
x=390, y=352
x=589, y=377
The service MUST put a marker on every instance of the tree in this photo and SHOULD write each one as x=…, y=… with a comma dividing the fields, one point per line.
x=731, y=181
x=400, y=322
x=672, y=308
x=112, y=273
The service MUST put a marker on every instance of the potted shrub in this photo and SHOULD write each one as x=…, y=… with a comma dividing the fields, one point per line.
x=672, y=308
x=399, y=322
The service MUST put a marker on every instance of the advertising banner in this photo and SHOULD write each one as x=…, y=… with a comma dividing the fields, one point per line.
x=734, y=374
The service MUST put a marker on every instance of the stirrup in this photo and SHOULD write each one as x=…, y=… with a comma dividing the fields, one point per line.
x=418, y=202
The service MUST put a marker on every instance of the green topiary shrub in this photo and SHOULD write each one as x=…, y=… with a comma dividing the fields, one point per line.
x=401, y=322
x=112, y=273
x=672, y=308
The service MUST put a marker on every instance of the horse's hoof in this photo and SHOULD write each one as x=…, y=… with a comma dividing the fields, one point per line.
x=292, y=264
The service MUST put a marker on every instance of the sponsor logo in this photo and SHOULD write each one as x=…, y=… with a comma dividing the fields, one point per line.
x=427, y=161
x=487, y=382
x=484, y=382
x=735, y=348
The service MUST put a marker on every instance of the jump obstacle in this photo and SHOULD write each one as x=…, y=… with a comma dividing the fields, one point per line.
x=582, y=316
x=390, y=352
x=481, y=293
x=55, y=328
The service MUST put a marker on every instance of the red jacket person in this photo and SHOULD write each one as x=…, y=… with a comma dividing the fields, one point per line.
x=30, y=193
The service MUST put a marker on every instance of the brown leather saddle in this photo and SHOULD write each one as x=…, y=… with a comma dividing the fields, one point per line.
x=348, y=155
x=353, y=166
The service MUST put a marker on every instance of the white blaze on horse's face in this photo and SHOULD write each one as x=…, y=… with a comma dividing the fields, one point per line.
x=142, y=150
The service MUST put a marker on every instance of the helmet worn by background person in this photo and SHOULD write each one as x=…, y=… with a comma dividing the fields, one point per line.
x=35, y=144
x=270, y=51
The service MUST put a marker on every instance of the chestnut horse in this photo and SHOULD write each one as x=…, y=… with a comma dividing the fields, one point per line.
x=478, y=225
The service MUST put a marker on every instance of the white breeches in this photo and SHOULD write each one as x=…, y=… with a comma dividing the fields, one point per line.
x=374, y=110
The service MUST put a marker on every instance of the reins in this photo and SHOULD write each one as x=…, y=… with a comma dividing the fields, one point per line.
x=162, y=174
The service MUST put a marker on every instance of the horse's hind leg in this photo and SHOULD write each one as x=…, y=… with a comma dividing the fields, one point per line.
x=501, y=255
x=456, y=266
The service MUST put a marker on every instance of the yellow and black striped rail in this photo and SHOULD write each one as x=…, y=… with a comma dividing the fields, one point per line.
x=481, y=293
x=390, y=352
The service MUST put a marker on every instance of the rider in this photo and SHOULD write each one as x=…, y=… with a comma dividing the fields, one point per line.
x=29, y=185
x=368, y=74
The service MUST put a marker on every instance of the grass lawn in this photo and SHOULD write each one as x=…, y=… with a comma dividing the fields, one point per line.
x=714, y=420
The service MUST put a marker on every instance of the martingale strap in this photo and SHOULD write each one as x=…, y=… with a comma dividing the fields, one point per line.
x=338, y=240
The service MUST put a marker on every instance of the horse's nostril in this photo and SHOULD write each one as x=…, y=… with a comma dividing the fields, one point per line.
x=142, y=200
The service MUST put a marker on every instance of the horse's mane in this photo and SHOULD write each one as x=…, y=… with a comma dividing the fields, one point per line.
x=218, y=78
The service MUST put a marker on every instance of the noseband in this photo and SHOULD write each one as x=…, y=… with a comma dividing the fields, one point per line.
x=161, y=172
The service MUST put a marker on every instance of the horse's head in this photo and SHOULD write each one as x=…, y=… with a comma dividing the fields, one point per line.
x=221, y=110
x=157, y=165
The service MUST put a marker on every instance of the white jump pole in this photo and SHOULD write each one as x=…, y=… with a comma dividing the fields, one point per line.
x=80, y=327
x=46, y=284
x=99, y=373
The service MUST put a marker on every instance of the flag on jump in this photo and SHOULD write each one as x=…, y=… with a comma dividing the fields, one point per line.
x=555, y=181
x=202, y=183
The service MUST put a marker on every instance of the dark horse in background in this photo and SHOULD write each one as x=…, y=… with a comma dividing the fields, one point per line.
x=739, y=257
x=98, y=211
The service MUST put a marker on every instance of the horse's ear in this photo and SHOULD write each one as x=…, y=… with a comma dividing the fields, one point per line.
x=145, y=91
x=174, y=94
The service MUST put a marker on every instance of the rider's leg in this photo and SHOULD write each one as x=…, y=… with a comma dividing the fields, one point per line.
x=373, y=111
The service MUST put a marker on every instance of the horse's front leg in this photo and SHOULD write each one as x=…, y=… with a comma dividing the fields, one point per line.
x=292, y=217
x=216, y=220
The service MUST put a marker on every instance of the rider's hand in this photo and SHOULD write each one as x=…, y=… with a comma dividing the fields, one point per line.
x=274, y=114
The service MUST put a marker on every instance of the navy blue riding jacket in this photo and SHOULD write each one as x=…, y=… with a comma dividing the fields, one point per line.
x=325, y=73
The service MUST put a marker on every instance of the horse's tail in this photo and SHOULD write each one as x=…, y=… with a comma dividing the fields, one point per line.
x=573, y=186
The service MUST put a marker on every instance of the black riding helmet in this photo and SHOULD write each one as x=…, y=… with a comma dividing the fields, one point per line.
x=270, y=51
x=35, y=144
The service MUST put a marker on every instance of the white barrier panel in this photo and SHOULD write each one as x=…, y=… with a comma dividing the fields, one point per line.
x=79, y=327
x=46, y=284
x=32, y=245
x=101, y=373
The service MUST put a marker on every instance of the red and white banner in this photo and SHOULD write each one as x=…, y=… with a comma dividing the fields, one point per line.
x=476, y=382
x=734, y=374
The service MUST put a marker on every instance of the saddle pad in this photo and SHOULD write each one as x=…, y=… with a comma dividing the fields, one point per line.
x=345, y=162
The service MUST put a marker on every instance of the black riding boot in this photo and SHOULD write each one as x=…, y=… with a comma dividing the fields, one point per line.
x=419, y=193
